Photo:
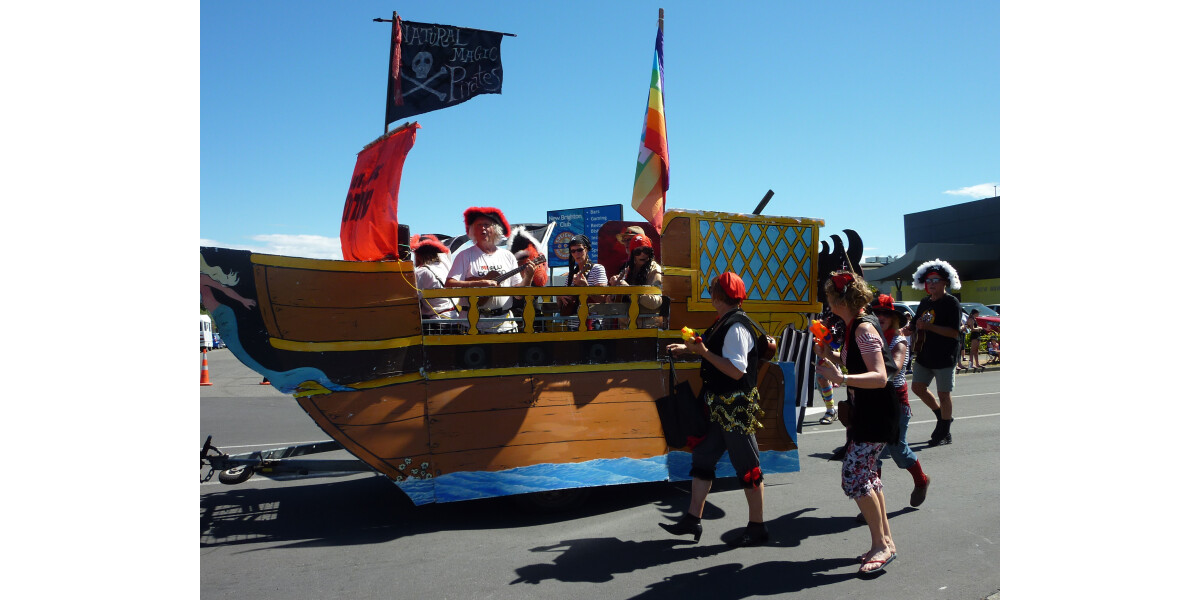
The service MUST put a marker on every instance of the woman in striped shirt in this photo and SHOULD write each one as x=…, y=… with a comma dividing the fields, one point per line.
x=874, y=420
x=583, y=272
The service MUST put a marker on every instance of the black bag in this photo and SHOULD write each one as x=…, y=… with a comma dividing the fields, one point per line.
x=681, y=412
x=845, y=413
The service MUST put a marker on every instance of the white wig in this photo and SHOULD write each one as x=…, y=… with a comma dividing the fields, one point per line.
x=936, y=264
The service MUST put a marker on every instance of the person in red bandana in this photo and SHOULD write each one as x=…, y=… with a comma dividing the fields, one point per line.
x=430, y=259
x=729, y=372
x=641, y=269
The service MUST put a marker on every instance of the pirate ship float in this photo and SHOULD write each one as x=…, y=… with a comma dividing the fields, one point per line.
x=459, y=416
x=454, y=416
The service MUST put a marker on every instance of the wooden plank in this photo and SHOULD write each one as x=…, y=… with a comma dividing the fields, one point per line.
x=391, y=404
x=304, y=324
x=676, y=241
x=543, y=425
x=483, y=394
x=391, y=441
x=265, y=307
x=510, y=457
x=360, y=451
x=679, y=288
x=774, y=433
x=332, y=289
x=578, y=389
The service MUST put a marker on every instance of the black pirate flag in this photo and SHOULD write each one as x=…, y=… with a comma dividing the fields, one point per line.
x=435, y=66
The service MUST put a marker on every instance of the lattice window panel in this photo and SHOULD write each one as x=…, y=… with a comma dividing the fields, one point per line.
x=773, y=260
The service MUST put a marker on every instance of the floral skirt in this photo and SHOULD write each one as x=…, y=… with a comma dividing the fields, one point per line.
x=859, y=473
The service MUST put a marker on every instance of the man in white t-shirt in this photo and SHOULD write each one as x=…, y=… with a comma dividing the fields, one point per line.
x=478, y=266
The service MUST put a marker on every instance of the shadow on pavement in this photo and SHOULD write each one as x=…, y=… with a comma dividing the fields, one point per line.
x=763, y=579
x=597, y=560
x=366, y=510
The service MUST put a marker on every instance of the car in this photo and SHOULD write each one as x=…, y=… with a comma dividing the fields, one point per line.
x=909, y=306
x=988, y=319
x=217, y=342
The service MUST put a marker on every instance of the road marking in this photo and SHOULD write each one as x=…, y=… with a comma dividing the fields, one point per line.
x=842, y=430
x=276, y=445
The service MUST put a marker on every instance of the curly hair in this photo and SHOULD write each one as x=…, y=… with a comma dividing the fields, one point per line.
x=493, y=233
x=856, y=294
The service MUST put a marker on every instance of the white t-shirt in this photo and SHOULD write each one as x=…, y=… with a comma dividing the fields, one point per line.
x=472, y=262
x=736, y=348
x=431, y=276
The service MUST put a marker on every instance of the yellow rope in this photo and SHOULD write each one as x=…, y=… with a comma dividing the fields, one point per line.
x=436, y=314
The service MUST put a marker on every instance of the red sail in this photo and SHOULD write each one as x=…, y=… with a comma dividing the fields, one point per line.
x=369, y=226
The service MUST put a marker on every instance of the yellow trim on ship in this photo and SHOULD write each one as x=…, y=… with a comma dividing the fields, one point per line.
x=348, y=346
x=317, y=264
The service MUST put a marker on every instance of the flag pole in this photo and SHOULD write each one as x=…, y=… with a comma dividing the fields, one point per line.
x=392, y=45
x=660, y=18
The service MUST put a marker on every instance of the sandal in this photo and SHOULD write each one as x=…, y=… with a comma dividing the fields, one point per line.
x=863, y=570
x=830, y=416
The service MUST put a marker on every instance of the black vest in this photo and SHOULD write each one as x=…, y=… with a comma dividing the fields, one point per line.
x=876, y=411
x=714, y=338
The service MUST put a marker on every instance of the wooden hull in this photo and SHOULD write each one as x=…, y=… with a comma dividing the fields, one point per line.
x=493, y=427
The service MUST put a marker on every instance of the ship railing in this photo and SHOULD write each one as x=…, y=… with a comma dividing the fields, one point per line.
x=536, y=313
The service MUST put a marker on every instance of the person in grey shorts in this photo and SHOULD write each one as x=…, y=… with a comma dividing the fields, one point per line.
x=935, y=345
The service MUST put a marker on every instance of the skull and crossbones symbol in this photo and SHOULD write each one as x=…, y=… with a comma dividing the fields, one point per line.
x=421, y=65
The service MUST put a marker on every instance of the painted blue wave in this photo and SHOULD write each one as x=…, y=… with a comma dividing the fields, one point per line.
x=673, y=466
x=288, y=381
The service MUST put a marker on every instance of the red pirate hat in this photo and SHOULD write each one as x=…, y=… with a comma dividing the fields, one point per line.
x=427, y=241
x=629, y=232
x=883, y=303
x=485, y=211
x=732, y=285
x=639, y=241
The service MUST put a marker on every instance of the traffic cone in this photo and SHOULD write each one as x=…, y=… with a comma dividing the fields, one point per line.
x=264, y=381
x=204, y=369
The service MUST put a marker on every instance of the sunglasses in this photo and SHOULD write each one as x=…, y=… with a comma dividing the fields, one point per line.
x=577, y=250
x=934, y=280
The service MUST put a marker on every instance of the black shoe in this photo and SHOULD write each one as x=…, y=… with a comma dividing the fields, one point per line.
x=918, y=493
x=939, y=431
x=941, y=434
x=755, y=534
x=688, y=525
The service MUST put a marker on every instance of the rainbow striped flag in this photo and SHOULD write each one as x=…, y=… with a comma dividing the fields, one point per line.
x=651, y=180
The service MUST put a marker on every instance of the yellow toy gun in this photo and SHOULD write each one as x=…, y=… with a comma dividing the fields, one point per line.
x=687, y=333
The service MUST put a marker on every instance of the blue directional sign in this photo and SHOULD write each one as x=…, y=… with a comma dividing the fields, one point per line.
x=574, y=221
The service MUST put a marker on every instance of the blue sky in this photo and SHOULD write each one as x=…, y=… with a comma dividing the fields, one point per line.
x=855, y=113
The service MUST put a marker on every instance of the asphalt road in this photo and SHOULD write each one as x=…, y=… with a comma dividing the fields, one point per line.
x=357, y=536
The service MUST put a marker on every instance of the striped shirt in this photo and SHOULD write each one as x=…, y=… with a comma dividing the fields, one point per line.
x=898, y=380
